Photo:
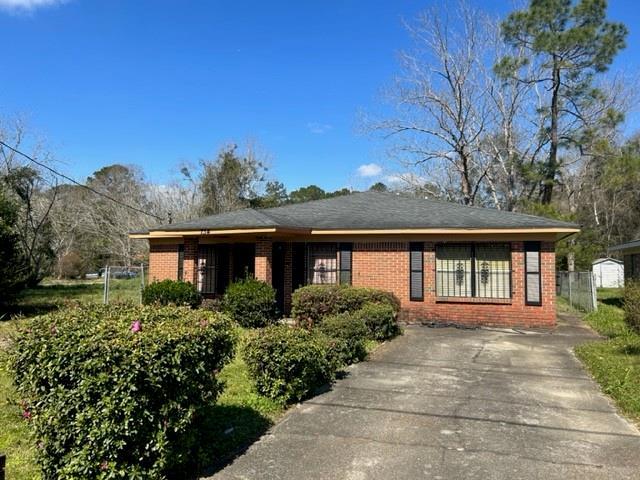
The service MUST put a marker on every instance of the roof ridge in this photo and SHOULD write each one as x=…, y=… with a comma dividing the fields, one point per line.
x=262, y=213
x=472, y=207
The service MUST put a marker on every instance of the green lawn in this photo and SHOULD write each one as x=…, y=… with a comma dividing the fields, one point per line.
x=614, y=362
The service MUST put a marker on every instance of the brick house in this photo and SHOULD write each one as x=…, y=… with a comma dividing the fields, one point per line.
x=445, y=262
x=630, y=252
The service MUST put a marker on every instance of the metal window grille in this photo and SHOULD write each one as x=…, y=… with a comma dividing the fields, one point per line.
x=206, y=270
x=473, y=270
x=323, y=263
x=213, y=268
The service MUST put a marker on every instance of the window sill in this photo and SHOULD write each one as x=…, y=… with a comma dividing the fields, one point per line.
x=499, y=301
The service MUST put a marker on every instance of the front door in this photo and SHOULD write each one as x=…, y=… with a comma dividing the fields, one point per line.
x=277, y=273
x=244, y=260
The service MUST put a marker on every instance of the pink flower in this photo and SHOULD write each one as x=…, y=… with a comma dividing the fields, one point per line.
x=26, y=414
x=136, y=326
x=104, y=465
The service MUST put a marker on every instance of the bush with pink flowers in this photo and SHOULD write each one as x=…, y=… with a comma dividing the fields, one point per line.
x=119, y=391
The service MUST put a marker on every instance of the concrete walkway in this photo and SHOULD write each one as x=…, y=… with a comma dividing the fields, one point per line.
x=455, y=404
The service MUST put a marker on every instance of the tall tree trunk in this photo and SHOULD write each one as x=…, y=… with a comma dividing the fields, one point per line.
x=552, y=163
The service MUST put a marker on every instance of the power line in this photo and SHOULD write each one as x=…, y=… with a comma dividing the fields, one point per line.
x=93, y=190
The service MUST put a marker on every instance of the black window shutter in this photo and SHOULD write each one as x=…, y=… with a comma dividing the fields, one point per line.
x=416, y=273
x=532, y=276
x=346, y=250
x=181, y=262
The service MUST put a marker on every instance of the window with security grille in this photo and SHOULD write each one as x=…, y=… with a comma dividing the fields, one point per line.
x=322, y=263
x=213, y=269
x=480, y=270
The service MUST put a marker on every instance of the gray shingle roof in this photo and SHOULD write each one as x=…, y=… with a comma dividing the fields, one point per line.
x=624, y=246
x=371, y=211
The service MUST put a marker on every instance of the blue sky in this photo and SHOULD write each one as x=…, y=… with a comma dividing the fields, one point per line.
x=159, y=82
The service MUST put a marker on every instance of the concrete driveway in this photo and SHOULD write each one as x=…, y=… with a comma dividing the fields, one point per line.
x=455, y=404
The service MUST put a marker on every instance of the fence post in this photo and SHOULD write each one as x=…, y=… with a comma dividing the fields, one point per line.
x=594, y=293
x=570, y=293
x=141, y=281
x=106, y=286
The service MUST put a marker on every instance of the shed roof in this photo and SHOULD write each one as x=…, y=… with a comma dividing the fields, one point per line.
x=608, y=259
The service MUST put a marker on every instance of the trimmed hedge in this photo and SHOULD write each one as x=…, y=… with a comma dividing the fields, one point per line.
x=313, y=302
x=116, y=391
x=352, y=332
x=287, y=363
x=631, y=304
x=171, y=292
x=251, y=303
x=380, y=319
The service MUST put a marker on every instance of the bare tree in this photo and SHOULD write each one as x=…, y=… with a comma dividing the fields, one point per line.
x=442, y=102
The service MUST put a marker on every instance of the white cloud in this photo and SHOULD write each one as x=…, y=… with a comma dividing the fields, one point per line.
x=369, y=170
x=315, y=127
x=27, y=5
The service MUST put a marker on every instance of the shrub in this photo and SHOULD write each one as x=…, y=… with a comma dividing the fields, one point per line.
x=286, y=363
x=632, y=304
x=351, y=299
x=117, y=391
x=211, y=304
x=313, y=302
x=353, y=333
x=71, y=265
x=380, y=319
x=251, y=303
x=171, y=292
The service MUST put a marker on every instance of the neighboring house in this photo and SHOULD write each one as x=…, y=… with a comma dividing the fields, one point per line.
x=445, y=262
x=631, y=255
x=608, y=272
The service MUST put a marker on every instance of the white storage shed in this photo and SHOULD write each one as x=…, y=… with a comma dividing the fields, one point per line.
x=608, y=273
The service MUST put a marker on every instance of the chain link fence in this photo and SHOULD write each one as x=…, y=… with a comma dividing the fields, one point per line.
x=123, y=283
x=578, y=288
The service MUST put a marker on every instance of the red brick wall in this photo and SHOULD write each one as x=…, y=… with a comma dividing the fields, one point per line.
x=385, y=265
x=191, y=260
x=163, y=262
x=264, y=252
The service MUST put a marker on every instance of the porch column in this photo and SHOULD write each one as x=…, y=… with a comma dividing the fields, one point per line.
x=264, y=252
x=190, y=269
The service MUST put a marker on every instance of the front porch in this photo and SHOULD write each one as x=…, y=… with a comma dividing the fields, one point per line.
x=213, y=263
